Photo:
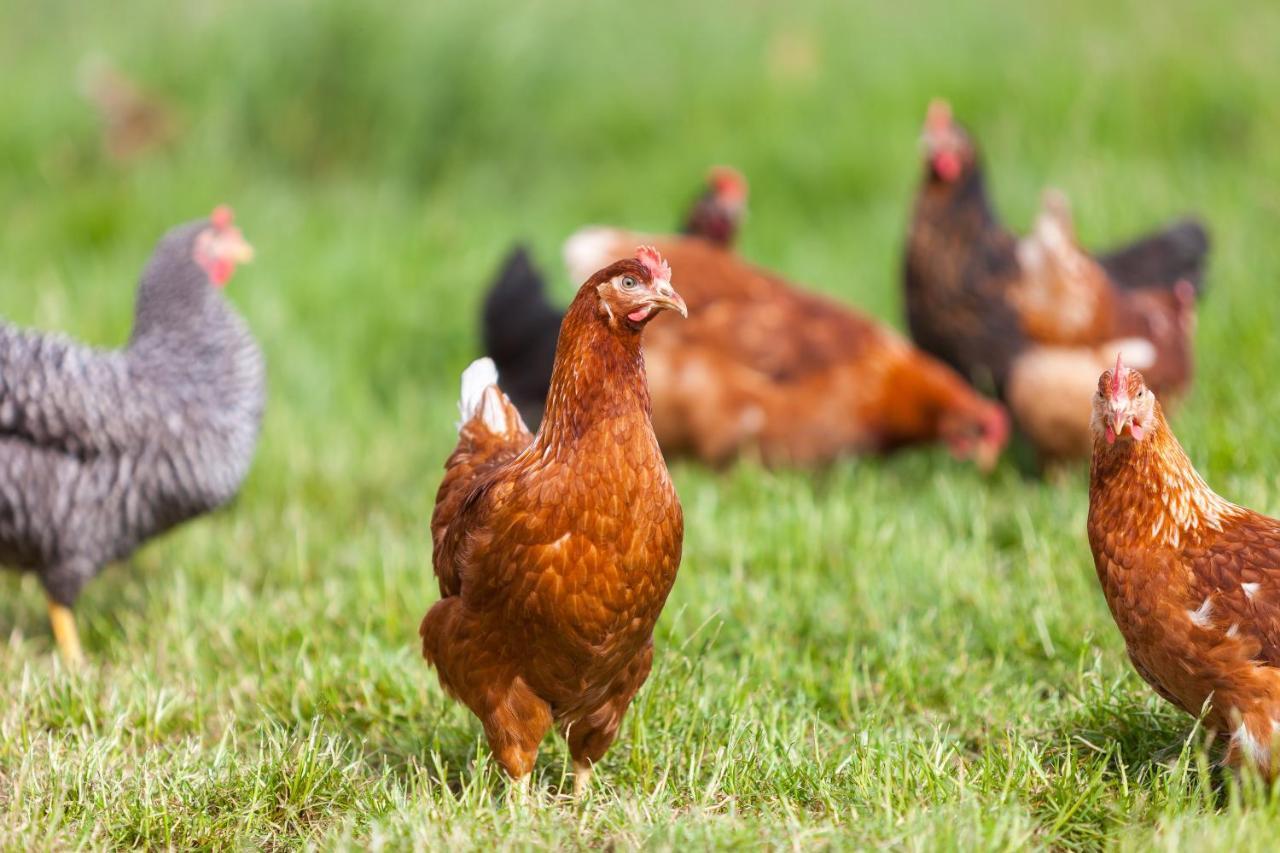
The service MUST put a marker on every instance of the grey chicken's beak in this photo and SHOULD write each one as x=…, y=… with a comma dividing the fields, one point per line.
x=668, y=298
x=237, y=248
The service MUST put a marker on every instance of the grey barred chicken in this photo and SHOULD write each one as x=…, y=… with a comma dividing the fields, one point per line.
x=102, y=450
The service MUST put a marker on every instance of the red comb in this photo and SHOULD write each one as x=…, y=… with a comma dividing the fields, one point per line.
x=653, y=262
x=729, y=181
x=1115, y=377
x=222, y=217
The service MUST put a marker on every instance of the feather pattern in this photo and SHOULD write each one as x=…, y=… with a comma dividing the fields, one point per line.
x=100, y=450
x=1192, y=580
x=555, y=554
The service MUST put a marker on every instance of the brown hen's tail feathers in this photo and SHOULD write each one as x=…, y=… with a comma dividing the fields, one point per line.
x=485, y=413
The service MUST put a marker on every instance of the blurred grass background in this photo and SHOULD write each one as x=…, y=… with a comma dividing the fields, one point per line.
x=894, y=652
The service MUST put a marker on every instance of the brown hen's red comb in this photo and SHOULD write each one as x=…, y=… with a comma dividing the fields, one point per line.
x=729, y=181
x=1115, y=377
x=652, y=261
x=222, y=217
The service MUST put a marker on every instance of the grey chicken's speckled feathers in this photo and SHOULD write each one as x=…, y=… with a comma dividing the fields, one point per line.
x=100, y=450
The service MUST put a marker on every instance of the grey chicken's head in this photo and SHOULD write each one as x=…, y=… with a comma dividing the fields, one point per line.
x=189, y=265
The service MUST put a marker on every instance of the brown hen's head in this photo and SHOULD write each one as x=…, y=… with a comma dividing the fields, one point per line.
x=978, y=432
x=949, y=152
x=221, y=246
x=718, y=212
x=1124, y=409
x=727, y=185
x=632, y=291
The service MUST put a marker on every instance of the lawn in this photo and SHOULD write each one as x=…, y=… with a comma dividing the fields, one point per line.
x=896, y=652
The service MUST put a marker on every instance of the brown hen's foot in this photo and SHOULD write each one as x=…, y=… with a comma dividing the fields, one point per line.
x=581, y=778
x=63, y=622
x=520, y=792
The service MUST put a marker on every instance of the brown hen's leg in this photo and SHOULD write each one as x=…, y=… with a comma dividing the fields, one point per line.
x=515, y=722
x=581, y=778
x=63, y=622
x=590, y=736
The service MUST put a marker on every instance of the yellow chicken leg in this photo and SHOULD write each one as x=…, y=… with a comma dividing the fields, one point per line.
x=64, y=631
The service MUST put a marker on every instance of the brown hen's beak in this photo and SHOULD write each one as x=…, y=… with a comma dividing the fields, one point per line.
x=668, y=298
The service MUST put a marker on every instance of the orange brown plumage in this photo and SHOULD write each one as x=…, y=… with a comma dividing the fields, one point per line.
x=1192, y=580
x=555, y=553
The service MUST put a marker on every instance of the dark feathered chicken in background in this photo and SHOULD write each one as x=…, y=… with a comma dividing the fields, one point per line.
x=101, y=450
x=717, y=214
x=1036, y=319
x=555, y=553
x=519, y=324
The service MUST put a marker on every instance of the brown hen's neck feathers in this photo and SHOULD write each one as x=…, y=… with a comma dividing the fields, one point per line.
x=921, y=393
x=598, y=374
x=1151, y=488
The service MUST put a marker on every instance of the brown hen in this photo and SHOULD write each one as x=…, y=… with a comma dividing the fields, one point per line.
x=555, y=553
x=1192, y=580
x=768, y=370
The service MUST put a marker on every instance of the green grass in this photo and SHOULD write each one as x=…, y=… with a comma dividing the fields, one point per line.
x=896, y=652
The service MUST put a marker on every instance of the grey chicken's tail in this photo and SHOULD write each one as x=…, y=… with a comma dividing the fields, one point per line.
x=1173, y=254
x=520, y=328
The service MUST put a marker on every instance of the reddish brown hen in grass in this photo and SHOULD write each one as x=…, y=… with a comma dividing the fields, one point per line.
x=1192, y=580
x=555, y=553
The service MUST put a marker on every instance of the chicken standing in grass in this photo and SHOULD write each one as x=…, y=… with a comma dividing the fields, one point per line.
x=101, y=450
x=1035, y=319
x=1192, y=580
x=555, y=553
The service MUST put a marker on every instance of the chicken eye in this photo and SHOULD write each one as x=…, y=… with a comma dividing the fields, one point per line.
x=628, y=283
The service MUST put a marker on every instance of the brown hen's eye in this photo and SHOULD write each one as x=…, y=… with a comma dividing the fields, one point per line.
x=628, y=283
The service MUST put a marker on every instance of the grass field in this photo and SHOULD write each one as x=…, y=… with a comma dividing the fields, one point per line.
x=896, y=652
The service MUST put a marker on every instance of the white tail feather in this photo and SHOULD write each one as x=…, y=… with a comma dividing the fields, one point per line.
x=480, y=377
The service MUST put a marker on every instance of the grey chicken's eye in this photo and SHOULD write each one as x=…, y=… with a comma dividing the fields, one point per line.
x=628, y=283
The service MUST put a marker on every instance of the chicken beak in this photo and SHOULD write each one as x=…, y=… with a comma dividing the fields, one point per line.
x=1118, y=421
x=668, y=298
x=237, y=248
